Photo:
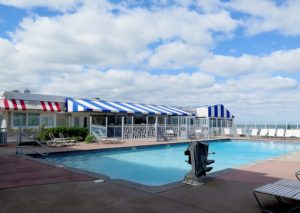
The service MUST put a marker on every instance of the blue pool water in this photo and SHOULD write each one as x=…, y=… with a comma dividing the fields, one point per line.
x=160, y=165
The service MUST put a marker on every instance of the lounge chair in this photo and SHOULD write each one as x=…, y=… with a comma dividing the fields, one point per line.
x=56, y=142
x=170, y=133
x=227, y=131
x=284, y=188
x=254, y=132
x=280, y=133
x=297, y=174
x=272, y=132
x=263, y=133
x=110, y=140
x=297, y=133
x=239, y=132
x=67, y=141
x=291, y=133
x=198, y=132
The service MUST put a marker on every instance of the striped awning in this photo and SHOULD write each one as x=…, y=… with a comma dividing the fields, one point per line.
x=15, y=104
x=82, y=105
x=219, y=111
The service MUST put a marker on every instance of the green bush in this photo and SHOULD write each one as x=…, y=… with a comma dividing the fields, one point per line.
x=76, y=138
x=90, y=139
x=77, y=132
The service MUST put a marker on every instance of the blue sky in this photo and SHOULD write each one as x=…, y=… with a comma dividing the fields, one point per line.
x=244, y=54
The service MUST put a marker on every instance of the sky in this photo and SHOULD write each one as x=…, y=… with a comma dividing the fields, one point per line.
x=243, y=54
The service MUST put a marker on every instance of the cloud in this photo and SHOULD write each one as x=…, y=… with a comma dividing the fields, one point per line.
x=176, y=55
x=281, y=61
x=95, y=36
x=128, y=85
x=267, y=16
x=59, y=5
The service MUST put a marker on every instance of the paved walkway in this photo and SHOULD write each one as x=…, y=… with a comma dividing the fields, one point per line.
x=30, y=186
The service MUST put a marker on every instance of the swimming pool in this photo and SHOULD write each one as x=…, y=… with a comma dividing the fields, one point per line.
x=163, y=164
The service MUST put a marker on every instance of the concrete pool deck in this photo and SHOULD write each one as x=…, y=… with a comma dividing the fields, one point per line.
x=28, y=185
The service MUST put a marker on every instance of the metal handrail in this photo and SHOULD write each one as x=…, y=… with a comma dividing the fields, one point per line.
x=19, y=140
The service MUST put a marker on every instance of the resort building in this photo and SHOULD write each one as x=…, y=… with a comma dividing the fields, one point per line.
x=26, y=111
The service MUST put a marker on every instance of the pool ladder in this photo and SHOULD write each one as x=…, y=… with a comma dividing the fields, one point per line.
x=21, y=145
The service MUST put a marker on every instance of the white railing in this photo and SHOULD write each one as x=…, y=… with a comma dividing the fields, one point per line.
x=160, y=132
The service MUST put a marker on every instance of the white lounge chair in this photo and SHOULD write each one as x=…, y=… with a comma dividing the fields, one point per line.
x=198, y=132
x=67, y=141
x=280, y=133
x=239, y=132
x=56, y=142
x=291, y=133
x=272, y=132
x=297, y=133
x=263, y=133
x=110, y=141
x=170, y=133
x=227, y=131
x=254, y=132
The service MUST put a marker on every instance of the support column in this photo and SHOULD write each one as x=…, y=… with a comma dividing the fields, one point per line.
x=156, y=128
x=4, y=121
x=178, y=128
x=221, y=120
x=186, y=126
x=147, y=125
x=165, y=123
x=208, y=127
x=122, y=129
x=106, y=124
x=132, y=120
x=91, y=119
x=70, y=120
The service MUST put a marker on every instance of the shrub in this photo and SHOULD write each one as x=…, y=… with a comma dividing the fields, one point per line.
x=77, y=132
x=90, y=139
x=76, y=138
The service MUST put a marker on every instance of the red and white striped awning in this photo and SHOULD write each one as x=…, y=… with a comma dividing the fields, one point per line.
x=14, y=104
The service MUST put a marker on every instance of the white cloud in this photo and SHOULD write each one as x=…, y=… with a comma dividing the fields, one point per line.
x=267, y=16
x=60, y=5
x=96, y=37
x=177, y=55
x=128, y=85
x=282, y=61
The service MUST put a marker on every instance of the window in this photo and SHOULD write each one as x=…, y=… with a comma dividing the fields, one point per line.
x=19, y=119
x=76, y=121
x=33, y=119
x=47, y=121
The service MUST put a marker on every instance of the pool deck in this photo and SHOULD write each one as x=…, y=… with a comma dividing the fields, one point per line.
x=28, y=185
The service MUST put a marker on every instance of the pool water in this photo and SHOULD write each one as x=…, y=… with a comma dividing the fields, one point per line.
x=160, y=165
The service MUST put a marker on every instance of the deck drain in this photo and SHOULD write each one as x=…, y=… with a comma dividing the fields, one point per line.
x=98, y=181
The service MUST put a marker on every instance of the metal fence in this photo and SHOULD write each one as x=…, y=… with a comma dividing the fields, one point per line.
x=160, y=132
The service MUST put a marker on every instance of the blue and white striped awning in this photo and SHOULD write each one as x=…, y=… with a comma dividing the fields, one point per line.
x=219, y=111
x=95, y=105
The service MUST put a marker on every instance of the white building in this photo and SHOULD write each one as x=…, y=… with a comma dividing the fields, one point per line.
x=28, y=111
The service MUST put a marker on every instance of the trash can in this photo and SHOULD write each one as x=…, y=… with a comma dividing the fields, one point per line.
x=3, y=137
